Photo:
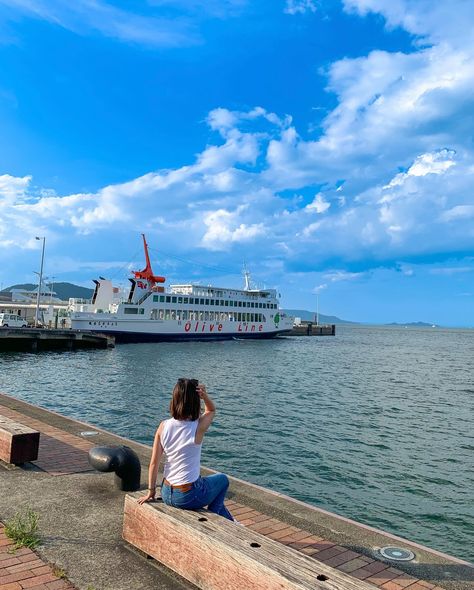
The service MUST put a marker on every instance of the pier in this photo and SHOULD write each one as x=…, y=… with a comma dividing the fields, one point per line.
x=37, y=339
x=312, y=329
x=81, y=538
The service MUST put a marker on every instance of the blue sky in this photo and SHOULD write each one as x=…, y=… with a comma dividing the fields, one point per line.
x=328, y=144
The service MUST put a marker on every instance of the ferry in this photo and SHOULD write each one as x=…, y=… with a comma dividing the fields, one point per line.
x=152, y=313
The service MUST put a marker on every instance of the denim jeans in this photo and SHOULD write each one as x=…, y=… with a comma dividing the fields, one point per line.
x=206, y=491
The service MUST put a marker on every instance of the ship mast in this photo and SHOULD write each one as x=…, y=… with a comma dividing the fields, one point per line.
x=147, y=272
x=246, y=273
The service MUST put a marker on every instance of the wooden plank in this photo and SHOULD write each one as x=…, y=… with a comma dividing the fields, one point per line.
x=18, y=443
x=216, y=554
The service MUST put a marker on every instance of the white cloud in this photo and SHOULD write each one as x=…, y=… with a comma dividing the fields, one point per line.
x=89, y=16
x=317, y=290
x=458, y=212
x=300, y=6
x=223, y=228
x=319, y=204
x=341, y=275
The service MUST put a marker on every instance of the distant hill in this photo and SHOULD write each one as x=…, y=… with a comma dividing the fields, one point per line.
x=413, y=324
x=310, y=316
x=63, y=290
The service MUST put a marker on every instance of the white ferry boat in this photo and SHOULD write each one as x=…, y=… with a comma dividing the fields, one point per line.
x=151, y=313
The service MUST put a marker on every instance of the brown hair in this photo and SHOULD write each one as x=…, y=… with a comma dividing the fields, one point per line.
x=185, y=403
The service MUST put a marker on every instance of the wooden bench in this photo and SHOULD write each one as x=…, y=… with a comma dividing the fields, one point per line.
x=216, y=554
x=18, y=443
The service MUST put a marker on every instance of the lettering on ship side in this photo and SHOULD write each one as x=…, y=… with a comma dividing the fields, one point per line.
x=203, y=327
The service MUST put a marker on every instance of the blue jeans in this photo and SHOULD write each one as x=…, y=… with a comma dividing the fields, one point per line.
x=206, y=491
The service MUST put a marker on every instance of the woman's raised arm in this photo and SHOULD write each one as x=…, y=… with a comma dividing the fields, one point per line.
x=208, y=416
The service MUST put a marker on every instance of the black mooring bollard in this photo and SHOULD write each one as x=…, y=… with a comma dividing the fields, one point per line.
x=123, y=460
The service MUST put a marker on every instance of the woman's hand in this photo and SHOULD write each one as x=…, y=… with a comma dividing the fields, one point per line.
x=201, y=390
x=148, y=498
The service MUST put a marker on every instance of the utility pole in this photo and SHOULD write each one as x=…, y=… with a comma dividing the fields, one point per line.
x=40, y=282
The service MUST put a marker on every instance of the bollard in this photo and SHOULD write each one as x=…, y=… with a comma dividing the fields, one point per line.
x=123, y=461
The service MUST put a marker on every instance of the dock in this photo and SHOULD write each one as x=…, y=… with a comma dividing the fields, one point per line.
x=313, y=329
x=81, y=517
x=37, y=339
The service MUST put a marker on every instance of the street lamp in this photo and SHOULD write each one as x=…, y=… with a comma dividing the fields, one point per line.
x=40, y=282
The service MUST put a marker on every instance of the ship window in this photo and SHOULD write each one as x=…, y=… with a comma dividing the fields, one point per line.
x=167, y=314
x=191, y=300
x=206, y=316
x=201, y=315
x=231, y=303
x=173, y=299
x=240, y=303
x=207, y=301
x=130, y=310
x=180, y=300
x=168, y=299
x=185, y=300
x=226, y=303
x=202, y=301
x=155, y=298
x=141, y=311
x=161, y=314
x=173, y=314
x=211, y=301
x=162, y=298
x=252, y=317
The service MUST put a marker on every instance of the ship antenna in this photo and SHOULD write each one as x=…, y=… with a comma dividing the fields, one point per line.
x=246, y=273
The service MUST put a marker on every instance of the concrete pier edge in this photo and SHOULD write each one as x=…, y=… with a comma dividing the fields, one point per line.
x=343, y=531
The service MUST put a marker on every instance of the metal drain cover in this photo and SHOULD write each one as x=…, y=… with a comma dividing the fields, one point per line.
x=397, y=553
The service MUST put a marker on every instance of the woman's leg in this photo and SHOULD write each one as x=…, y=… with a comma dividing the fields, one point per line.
x=215, y=490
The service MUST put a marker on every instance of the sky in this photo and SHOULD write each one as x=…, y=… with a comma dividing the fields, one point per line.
x=325, y=144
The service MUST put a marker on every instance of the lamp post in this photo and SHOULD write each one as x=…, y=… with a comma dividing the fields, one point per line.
x=40, y=282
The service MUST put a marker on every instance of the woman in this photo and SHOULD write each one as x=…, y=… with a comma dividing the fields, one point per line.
x=180, y=439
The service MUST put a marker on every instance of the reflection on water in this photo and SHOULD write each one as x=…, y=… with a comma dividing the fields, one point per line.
x=374, y=424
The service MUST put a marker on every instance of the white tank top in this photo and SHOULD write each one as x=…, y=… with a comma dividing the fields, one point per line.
x=183, y=455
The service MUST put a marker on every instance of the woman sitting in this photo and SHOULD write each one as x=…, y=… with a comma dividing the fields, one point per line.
x=180, y=439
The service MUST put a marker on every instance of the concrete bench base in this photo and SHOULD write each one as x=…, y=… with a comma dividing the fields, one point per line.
x=18, y=443
x=216, y=554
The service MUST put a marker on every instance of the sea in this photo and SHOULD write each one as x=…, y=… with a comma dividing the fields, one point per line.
x=375, y=424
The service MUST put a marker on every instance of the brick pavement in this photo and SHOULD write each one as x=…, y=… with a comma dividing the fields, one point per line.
x=22, y=568
x=62, y=453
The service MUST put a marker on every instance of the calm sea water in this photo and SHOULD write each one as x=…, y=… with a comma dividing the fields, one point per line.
x=375, y=424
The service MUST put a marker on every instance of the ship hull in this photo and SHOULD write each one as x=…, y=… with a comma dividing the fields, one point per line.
x=122, y=337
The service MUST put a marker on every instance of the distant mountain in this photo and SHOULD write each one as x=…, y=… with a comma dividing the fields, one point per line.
x=63, y=290
x=310, y=316
x=413, y=324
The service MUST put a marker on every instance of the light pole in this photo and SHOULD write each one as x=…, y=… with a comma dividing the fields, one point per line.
x=51, y=289
x=317, y=308
x=40, y=282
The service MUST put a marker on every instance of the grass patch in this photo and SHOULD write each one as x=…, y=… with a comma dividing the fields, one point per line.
x=22, y=529
x=59, y=572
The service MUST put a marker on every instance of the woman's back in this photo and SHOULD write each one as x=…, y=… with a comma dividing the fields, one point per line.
x=183, y=455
